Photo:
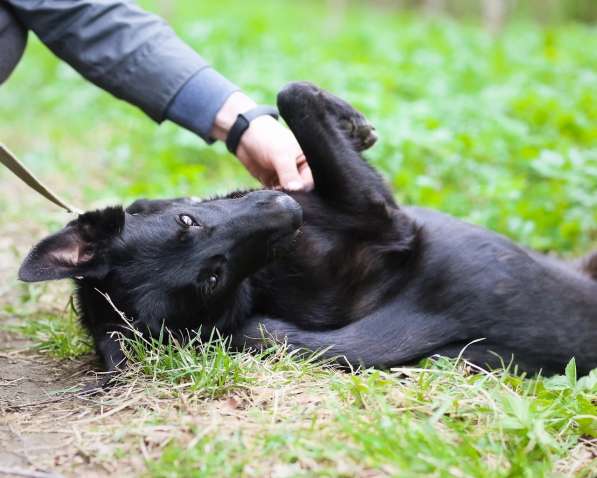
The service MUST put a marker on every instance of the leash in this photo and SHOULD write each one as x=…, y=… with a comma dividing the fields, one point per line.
x=19, y=170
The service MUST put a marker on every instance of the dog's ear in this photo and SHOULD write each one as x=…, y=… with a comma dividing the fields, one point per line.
x=75, y=251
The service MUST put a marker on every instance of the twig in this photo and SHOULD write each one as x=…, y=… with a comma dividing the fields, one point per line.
x=111, y=412
x=66, y=396
x=11, y=382
x=28, y=473
x=36, y=404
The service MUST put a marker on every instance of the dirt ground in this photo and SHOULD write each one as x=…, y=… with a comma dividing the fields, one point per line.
x=37, y=416
x=43, y=421
x=47, y=429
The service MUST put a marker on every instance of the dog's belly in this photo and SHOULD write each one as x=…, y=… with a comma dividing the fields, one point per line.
x=491, y=287
x=522, y=302
x=306, y=301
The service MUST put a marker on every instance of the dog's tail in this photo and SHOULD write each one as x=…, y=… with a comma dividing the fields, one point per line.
x=588, y=265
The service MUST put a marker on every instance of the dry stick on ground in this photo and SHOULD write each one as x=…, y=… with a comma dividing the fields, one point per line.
x=14, y=408
x=28, y=473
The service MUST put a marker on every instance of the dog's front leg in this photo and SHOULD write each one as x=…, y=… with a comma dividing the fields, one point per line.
x=109, y=349
x=331, y=133
x=390, y=336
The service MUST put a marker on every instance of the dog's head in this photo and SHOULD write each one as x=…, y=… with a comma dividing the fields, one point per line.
x=159, y=256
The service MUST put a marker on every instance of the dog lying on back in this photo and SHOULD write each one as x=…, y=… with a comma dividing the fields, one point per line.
x=342, y=268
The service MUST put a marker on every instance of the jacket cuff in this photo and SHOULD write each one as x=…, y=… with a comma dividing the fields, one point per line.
x=197, y=103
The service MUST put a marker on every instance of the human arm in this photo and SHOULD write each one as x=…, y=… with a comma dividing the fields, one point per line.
x=137, y=57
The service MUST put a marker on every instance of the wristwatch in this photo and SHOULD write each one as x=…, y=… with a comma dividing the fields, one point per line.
x=243, y=120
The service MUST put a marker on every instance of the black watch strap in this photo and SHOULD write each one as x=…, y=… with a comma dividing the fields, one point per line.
x=242, y=123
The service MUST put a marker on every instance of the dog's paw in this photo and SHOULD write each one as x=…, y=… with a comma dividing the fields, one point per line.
x=100, y=385
x=303, y=100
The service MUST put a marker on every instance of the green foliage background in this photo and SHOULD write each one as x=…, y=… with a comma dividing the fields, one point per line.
x=499, y=131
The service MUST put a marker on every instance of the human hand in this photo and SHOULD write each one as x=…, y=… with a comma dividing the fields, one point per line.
x=271, y=153
x=267, y=149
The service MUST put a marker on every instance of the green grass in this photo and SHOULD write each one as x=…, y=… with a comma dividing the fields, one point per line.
x=208, y=367
x=203, y=368
x=437, y=420
x=54, y=330
x=498, y=131
x=60, y=335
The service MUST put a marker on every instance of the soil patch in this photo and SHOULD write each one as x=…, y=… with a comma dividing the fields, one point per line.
x=37, y=399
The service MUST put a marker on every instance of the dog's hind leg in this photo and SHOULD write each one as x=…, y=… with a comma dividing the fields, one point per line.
x=388, y=337
x=331, y=133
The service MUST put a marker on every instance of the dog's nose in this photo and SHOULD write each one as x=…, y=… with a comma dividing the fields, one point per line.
x=271, y=199
x=276, y=203
x=292, y=208
x=263, y=197
x=285, y=201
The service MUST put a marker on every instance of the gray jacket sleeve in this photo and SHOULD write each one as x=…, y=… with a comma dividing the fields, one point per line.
x=132, y=54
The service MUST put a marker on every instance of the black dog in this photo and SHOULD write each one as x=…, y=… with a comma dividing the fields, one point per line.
x=342, y=268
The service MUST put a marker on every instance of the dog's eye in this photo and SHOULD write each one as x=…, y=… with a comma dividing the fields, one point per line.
x=212, y=281
x=187, y=221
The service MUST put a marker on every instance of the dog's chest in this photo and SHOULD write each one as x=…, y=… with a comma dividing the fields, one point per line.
x=326, y=281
